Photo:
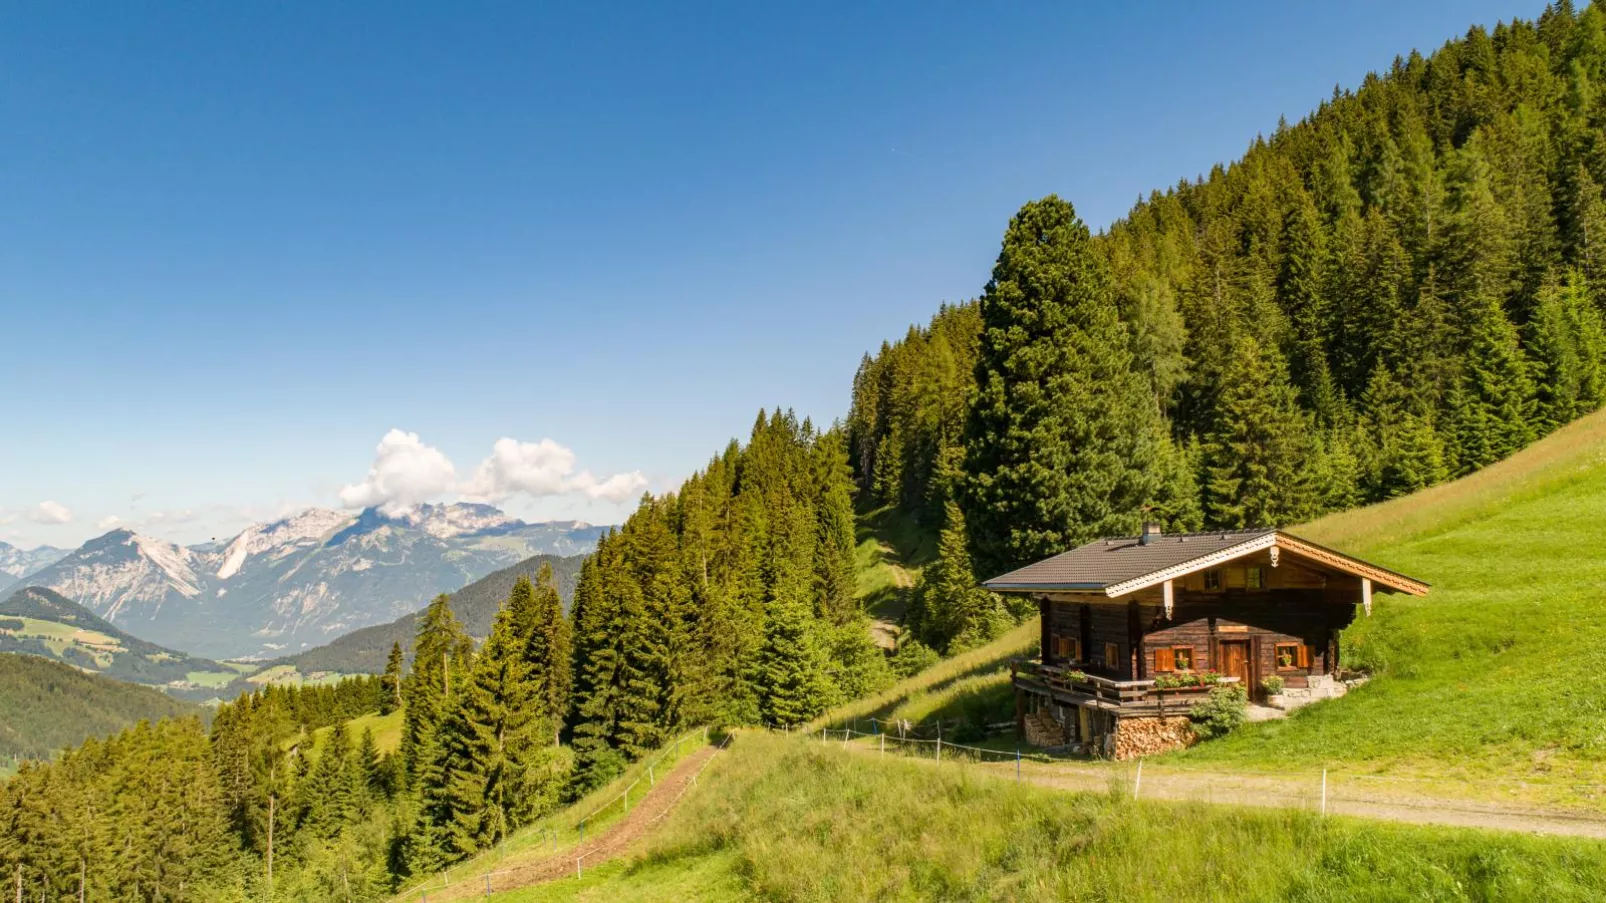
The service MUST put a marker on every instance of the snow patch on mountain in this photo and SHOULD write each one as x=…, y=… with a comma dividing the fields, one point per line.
x=280, y=537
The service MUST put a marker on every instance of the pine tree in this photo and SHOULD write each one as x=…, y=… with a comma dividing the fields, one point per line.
x=441, y=654
x=953, y=612
x=488, y=740
x=1492, y=408
x=834, y=587
x=1063, y=440
x=1257, y=456
x=1568, y=341
x=548, y=651
x=391, y=699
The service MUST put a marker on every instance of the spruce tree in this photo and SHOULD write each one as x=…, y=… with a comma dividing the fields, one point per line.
x=834, y=577
x=391, y=699
x=1568, y=341
x=441, y=654
x=548, y=652
x=954, y=613
x=1063, y=442
x=488, y=741
x=1256, y=459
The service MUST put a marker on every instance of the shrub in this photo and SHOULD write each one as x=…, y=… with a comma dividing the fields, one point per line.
x=1272, y=684
x=912, y=657
x=1224, y=709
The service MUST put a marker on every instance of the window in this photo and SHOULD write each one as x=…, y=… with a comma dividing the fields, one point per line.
x=1175, y=658
x=1212, y=579
x=1292, y=655
x=1067, y=648
x=1112, y=655
x=1255, y=578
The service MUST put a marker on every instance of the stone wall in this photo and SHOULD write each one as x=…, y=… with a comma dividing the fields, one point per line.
x=1136, y=737
x=1042, y=730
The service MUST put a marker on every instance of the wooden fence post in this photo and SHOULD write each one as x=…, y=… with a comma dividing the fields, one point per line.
x=1137, y=785
x=1324, y=792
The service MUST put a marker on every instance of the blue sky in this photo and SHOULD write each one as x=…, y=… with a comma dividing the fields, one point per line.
x=242, y=243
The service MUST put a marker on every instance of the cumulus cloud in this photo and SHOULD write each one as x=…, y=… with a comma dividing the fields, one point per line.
x=621, y=487
x=545, y=468
x=48, y=512
x=170, y=517
x=109, y=522
x=405, y=473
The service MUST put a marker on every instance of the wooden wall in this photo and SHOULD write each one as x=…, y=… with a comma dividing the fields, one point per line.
x=1200, y=621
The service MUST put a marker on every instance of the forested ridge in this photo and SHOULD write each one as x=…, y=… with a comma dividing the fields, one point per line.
x=1397, y=290
x=46, y=705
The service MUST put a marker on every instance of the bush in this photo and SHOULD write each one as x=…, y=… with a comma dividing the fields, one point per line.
x=912, y=657
x=1272, y=684
x=1225, y=709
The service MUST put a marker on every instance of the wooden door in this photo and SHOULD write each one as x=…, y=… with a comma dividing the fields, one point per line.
x=1235, y=661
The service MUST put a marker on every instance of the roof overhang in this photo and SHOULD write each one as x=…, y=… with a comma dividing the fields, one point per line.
x=1382, y=579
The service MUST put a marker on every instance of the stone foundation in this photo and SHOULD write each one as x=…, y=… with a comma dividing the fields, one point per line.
x=1135, y=737
x=1042, y=730
x=1318, y=687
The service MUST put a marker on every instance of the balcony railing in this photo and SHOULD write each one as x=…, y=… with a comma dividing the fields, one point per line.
x=1077, y=686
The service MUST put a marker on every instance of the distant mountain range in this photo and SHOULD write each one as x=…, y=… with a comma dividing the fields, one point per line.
x=16, y=563
x=282, y=587
x=41, y=622
x=365, y=651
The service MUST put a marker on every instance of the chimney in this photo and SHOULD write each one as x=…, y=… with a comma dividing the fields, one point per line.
x=1151, y=532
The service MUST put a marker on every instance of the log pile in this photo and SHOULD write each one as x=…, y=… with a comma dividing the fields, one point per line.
x=1136, y=737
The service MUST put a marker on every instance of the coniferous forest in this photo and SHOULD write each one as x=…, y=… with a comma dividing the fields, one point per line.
x=1404, y=287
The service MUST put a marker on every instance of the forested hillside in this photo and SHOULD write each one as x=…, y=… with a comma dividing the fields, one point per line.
x=1400, y=289
x=46, y=706
x=1397, y=290
x=38, y=621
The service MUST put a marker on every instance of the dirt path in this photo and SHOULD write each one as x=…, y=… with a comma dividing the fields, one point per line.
x=887, y=615
x=1345, y=795
x=605, y=845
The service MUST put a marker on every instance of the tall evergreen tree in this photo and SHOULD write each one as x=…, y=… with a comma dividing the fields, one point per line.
x=391, y=699
x=1255, y=459
x=1063, y=442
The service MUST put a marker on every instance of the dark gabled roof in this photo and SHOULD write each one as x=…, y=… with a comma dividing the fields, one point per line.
x=1118, y=566
x=1106, y=562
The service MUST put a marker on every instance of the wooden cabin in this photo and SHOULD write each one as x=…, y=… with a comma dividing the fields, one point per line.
x=1138, y=629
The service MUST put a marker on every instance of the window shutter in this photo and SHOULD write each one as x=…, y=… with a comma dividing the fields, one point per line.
x=1165, y=660
x=1304, y=656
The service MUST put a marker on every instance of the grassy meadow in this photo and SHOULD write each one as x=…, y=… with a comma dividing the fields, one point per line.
x=782, y=819
x=1500, y=671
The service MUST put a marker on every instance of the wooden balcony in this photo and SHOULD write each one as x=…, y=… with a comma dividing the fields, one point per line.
x=1070, y=686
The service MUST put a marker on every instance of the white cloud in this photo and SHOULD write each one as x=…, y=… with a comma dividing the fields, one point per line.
x=109, y=522
x=49, y=512
x=621, y=487
x=405, y=473
x=170, y=517
x=541, y=469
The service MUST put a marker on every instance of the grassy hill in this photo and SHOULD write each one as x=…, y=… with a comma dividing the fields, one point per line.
x=364, y=651
x=1501, y=669
x=41, y=622
x=46, y=705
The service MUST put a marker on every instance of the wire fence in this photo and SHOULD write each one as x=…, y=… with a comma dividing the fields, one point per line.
x=1327, y=791
x=567, y=849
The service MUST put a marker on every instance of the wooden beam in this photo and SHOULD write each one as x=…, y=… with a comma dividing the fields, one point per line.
x=1366, y=595
x=1168, y=600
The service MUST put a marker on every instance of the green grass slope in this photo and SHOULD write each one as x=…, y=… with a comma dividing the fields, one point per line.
x=779, y=818
x=38, y=621
x=45, y=706
x=1500, y=671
